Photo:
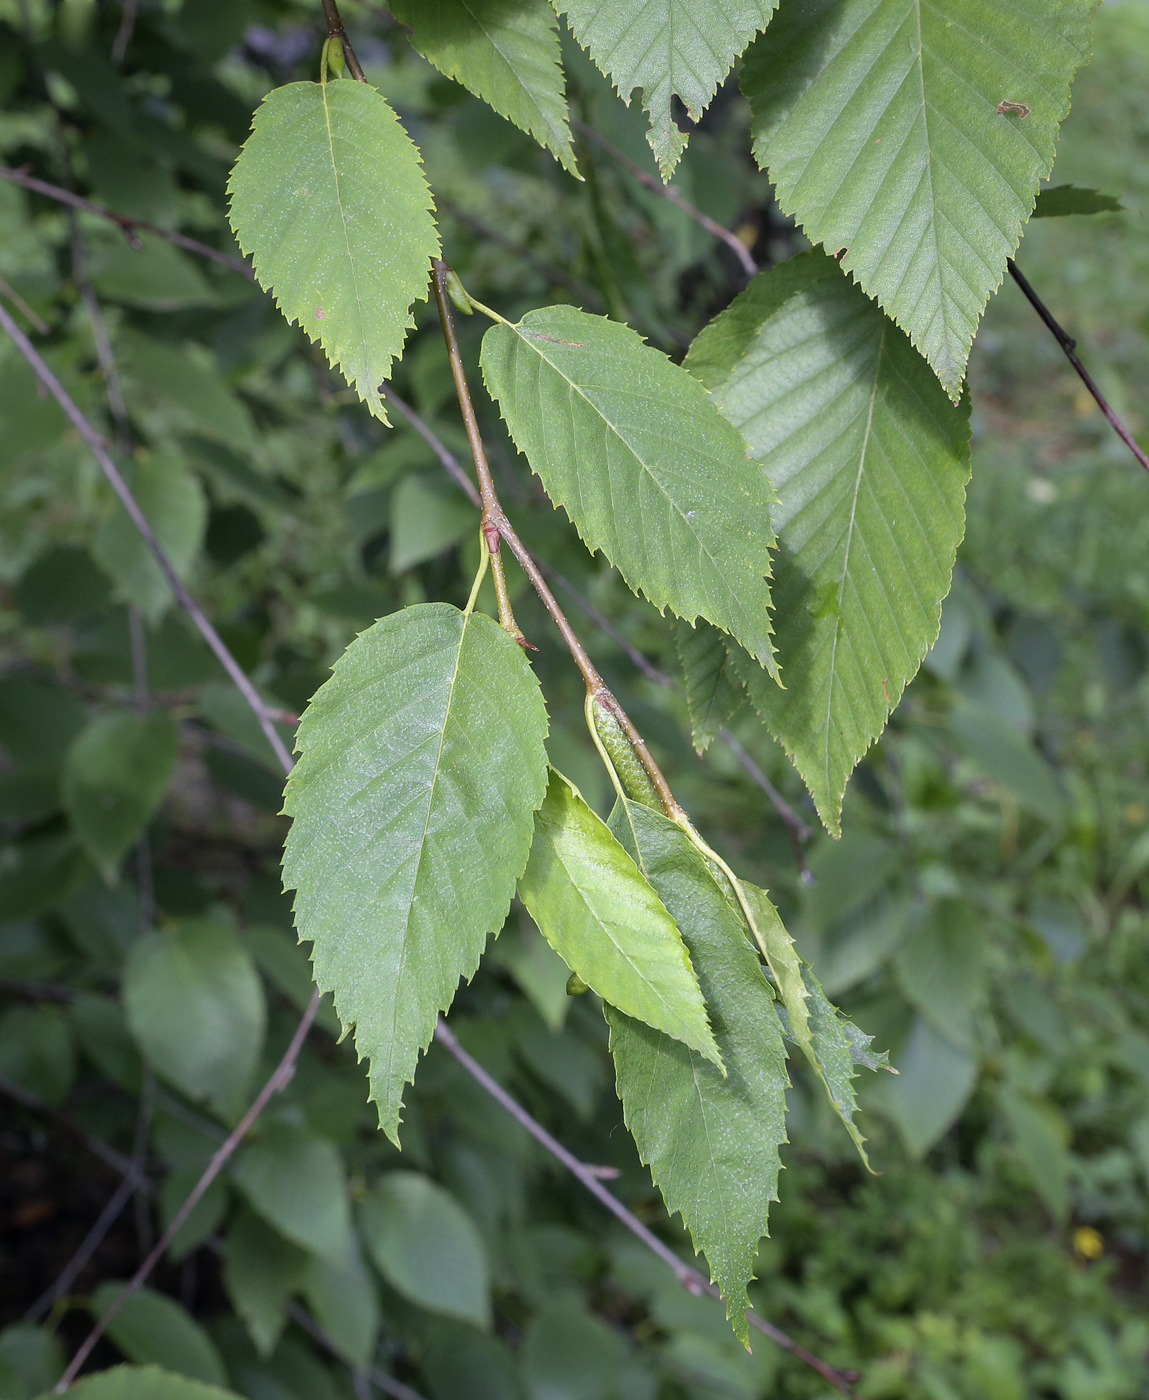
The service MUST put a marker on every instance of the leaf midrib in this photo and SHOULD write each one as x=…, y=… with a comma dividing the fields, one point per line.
x=346, y=236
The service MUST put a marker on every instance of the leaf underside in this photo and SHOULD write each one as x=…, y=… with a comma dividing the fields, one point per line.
x=599, y=913
x=711, y=1142
x=914, y=136
x=421, y=767
x=640, y=459
x=669, y=48
x=505, y=52
x=870, y=462
x=714, y=694
x=329, y=200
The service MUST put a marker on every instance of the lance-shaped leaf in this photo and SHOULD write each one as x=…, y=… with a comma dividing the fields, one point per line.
x=640, y=459
x=421, y=767
x=714, y=692
x=711, y=1142
x=329, y=200
x=599, y=913
x=669, y=48
x=870, y=462
x=829, y=1042
x=504, y=51
x=914, y=137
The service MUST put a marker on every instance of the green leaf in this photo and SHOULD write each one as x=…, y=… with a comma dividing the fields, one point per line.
x=329, y=200
x=887, y=130
x=427, y=1247
x=37, y=720
x=1060, y=200
x=636, y=454
x=669, y=48
x=714, y=693
x=427, y=517
x=36, y=1051
x=115, y=776
x=413, y=803
x=870, y=463
x=261, y=1270
x=195, y=1006
x=342, y=1295
x=173, y=501
x=711, y=1142
x=597, y=910
x=1007, y=758
x=151, y=1327
x=504, y=51
x=941, y=967
x=541, y=974
x=1041, y=1138
x=143, y=1383
x=296, y=1182
x=180, y=387
x=936, y=1078
x=773, y=937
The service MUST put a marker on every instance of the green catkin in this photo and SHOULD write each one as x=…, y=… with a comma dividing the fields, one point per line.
x=627, y=764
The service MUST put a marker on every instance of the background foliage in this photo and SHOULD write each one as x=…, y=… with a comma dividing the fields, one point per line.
x=982, y=915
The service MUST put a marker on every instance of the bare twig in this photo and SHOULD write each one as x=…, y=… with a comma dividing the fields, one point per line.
x=675, y=196
x=125, y=31
x=690, y=1278
x=132, y=227
x=388, y=1384
x=37, y=322
x=280, y=1076
x=88, y=1246
x=1069, y=346
x=130, y=504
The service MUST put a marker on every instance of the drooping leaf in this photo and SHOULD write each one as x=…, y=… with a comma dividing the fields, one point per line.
x=936, y=1077
x=342, y=1295
x=329, y=200
x=115, y=776
x=413, y=803
x=427, y=1247
x=642, y=462
x=153, y=1328
x=599, y=913
x=711, y=1142
x=1041, y=1138
x=1060, y=200
x=669, y=48
x=173, y=501
x=941, y=967
x=296, y=1182
x=504, y=51
x=195, y=1006
x=714, y=694
x=773, y=937
x=913, y=137
x=261, y=1270
x=1007, y=757
x=143, y=1383
x=870, y=463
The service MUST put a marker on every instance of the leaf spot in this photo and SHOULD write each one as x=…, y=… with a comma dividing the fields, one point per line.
x=1020, y=109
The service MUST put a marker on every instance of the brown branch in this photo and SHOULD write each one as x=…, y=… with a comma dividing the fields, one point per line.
x=88, y=1246
x=675, y=196
x=690, y=1278
x=1069, y=346
x=130, y=504
x=130, y=226
x=335, y=30
x=37, y=322
x=280, y=1077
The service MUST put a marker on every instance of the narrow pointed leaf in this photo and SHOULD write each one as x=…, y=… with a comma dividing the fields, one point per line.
x=914, y=136
x=711, y=1142
x=870, y=462
x=599, y=913
x=504, y=51
x=647, y=468
x=329, y=200
x=714, y=692
x=772, y=935
x=421, y=767
x=669, y=48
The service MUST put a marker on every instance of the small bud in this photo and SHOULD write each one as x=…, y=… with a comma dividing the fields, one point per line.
x=576, y=986
x=458, y=294
x=336, y=59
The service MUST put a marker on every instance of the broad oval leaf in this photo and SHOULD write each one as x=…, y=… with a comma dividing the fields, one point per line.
x=427, y=1247
x=329, y=200
x=422, y=765
x=870, y=462
x=261, y=1270
x=504, y=51
x=297, y=1184
x=195, y=1005
x=152, y=1328
x=143, y=1383
x=914, y=137
x=342, y=1295
x=115, y=776
x=599, y=913
x=643, y=463
x=711, y=1142
x=669, y=48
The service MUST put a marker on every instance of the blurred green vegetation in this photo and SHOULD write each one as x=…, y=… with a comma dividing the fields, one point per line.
x=983, y=915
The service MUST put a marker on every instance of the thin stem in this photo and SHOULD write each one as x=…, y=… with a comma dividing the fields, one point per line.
x=280, y=1076
x=335, y=30
x=688, y=1277
x=131, y=505
x=1069, y=346
x=675, y=196
x=88, y=1246
x=125, y=31
x=37, y=323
